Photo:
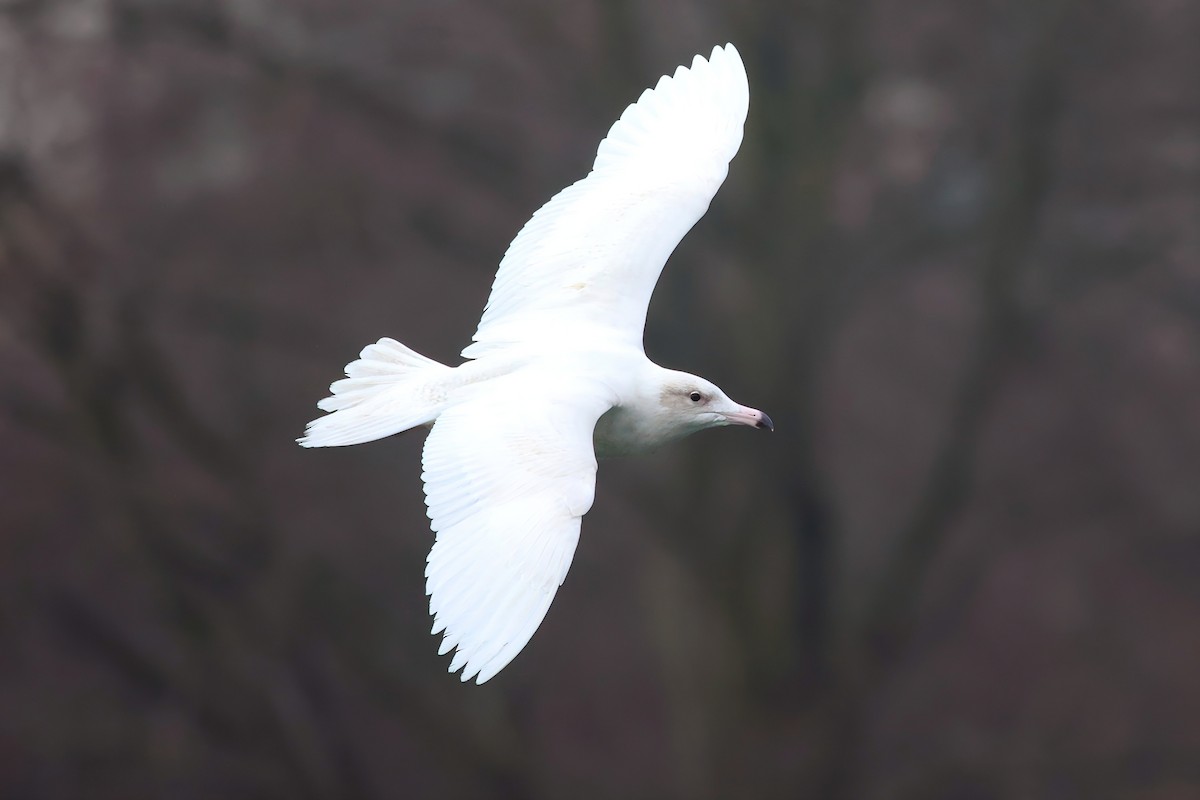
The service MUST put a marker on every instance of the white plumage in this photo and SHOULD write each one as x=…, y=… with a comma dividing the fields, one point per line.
x=591, y=256
x=556, y=373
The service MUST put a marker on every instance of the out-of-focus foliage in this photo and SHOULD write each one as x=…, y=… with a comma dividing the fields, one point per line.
x=957, y=260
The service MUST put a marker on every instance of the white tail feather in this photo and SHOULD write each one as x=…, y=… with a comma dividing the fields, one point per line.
x=389, y=389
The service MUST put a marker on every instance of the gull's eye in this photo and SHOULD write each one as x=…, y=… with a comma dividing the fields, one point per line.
x=695, y=397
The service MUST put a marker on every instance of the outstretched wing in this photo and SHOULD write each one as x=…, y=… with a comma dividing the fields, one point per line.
x=508, y=477
x=586, y=264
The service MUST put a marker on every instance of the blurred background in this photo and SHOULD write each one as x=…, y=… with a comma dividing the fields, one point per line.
x=957, y=260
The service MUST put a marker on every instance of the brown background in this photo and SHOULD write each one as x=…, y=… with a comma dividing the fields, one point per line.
x=957, y=260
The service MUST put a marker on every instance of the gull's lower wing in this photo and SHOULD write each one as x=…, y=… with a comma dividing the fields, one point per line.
x=508, y=476
x=586, y=264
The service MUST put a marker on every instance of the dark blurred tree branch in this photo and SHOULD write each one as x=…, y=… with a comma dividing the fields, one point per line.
x=209, y=23
x=1022, y=170
x=53, y=305
x=802, y=128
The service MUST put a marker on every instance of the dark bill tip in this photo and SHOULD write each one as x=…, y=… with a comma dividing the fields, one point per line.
x=765, y=422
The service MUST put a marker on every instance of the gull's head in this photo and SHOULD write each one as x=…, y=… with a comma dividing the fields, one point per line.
x=690, y=403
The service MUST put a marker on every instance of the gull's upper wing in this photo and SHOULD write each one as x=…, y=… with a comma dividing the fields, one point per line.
x=508, y=476
x=586, y=264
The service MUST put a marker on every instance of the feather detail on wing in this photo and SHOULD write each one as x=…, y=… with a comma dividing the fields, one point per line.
x=587, y=262
x=508, y=477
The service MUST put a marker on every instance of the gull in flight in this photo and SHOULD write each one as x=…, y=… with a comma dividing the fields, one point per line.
x=556, y=374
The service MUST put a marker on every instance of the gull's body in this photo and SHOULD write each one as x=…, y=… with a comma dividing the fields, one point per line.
x=556, y=375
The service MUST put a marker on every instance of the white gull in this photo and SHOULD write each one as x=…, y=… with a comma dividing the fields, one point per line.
x=556, y=374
